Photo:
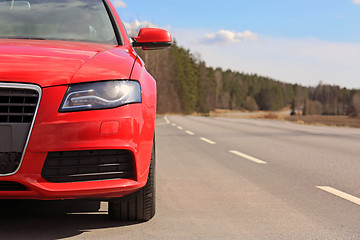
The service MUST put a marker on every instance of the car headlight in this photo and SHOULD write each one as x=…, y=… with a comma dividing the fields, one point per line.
x=101, y=95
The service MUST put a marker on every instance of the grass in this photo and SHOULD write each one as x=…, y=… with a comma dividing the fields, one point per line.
x=338, y=121
x=319, y=120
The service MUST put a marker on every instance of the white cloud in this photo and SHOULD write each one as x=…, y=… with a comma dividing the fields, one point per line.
x=134, y=27
x=229, y=37
x=357, y=2
x=304, y=61
x=120, y=4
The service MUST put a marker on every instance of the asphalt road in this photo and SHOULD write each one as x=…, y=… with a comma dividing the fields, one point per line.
x=224, y=178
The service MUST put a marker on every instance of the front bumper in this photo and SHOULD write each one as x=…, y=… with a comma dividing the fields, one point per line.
x=129, y=127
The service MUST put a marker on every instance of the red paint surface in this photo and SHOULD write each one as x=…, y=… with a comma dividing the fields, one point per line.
x=153, y=35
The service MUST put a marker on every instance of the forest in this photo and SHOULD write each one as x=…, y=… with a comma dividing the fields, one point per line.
x=186, y=85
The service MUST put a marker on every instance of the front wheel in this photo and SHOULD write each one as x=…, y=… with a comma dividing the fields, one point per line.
x=138, y=206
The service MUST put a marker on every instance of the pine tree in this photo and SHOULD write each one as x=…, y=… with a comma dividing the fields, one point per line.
x=305, y=107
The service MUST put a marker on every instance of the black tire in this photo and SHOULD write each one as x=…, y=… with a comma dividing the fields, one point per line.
x=138, y=206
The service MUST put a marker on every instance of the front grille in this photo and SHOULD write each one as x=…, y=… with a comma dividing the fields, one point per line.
x=78, y=166
x=9, y=162
x=11, y=186
x=17, y=105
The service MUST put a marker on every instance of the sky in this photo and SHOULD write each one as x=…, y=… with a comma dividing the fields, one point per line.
x=304, y=41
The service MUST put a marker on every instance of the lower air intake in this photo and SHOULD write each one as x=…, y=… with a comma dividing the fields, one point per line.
x=11, y=186
x=79, y=166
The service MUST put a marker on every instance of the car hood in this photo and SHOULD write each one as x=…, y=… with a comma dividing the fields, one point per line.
x=50, y=63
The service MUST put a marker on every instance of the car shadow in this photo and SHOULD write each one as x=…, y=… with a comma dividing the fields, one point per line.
x=34, y=219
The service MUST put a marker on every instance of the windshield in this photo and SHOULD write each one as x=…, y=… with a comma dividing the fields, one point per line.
x=73, y=20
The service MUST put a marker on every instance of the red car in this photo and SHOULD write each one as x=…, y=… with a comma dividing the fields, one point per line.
x=77, y=106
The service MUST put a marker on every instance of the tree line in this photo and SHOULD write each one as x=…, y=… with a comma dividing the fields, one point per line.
x=186, y=85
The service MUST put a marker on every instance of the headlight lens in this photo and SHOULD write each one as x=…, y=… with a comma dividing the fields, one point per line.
x=101, y=95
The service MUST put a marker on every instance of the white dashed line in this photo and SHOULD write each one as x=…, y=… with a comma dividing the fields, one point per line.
x=103, y=210
x=190, y=133
x=180, y=128
x=166, y=120
x=340, y=194
x=103, y=207
x=173, y=124
x=207, y=140
x=250, y=158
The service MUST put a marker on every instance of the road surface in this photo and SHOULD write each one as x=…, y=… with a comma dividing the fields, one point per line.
x=224, y=178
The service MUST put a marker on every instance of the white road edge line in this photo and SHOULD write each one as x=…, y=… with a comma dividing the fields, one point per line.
x=340, y=194
x=190, y=133
x=207, y=140
x=180, y=128
x=250, y=158
x=166, y=120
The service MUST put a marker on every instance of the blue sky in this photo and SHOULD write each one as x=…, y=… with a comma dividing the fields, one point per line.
x=303, y=42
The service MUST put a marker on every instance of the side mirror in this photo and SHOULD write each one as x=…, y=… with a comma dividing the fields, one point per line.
x=152, y=38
